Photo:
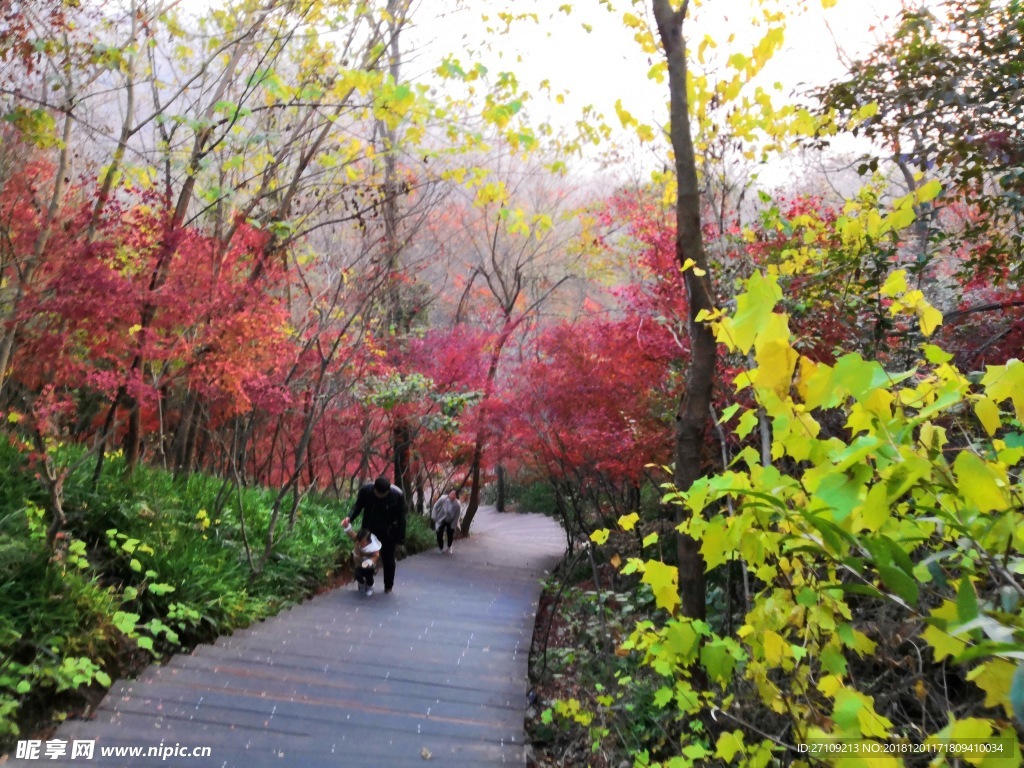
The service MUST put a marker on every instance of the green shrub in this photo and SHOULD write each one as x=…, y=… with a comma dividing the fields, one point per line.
x=150, y=561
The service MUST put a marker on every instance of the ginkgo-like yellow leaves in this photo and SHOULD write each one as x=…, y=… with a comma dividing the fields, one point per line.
x=895, y=286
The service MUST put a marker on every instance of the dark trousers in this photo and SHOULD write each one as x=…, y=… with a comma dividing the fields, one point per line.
x=441, y=529
x=387, y=559
x=364, y=576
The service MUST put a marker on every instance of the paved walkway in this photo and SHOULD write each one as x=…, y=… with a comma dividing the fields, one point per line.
x=433, y=674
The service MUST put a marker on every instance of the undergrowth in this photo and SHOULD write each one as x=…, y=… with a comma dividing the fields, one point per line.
x=149, y=565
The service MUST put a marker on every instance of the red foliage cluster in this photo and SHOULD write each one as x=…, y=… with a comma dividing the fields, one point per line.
x=149, y=308
x=592, y=404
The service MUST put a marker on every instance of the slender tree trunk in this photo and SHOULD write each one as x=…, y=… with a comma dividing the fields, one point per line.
x=401, y=445
x=692, y=414
x=420, y=490
x=133, y=437
x=499, y=503
x=478, y=446
x=182, y=436
x=195, y=428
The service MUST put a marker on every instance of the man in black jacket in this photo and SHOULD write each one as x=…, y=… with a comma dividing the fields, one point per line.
x=382, y=506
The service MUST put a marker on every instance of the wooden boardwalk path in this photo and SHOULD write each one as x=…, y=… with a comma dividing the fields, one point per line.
x=434, y=674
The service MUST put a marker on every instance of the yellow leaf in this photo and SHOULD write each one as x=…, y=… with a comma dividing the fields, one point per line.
x=901, y=218
x=876, y=510
x=895, y=283
x=855, y=712
x=600, y=536
x=632, y=21
x=753, y=308
x=868, y=110
x=1004, y=382
x=775, y=647
x=628, y=522
x=830, y=685
x=928, y=317
x=776, y=361
x=995, y=677
x=713, y=544
x=981, y=483
x=928, y=192
x=624, y=116
x=988, y=414
x=664, y=581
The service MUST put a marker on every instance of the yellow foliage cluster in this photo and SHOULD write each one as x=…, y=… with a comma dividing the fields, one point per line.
x=893, y=511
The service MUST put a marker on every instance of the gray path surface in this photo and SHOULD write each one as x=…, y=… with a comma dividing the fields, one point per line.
x=434, y=674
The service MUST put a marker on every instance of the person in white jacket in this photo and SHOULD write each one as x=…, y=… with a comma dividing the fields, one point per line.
x=445, y=515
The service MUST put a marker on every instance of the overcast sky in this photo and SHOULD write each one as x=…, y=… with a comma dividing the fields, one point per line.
x=605, y=64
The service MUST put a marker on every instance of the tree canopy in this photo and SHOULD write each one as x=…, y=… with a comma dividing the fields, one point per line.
x=272, y=247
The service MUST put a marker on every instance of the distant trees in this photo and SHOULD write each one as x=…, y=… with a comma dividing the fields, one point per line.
x=214, y=244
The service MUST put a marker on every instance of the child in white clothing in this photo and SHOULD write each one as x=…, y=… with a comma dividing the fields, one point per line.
x=365, y=554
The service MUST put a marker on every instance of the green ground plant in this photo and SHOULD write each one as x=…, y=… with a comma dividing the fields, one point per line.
x=149, y=564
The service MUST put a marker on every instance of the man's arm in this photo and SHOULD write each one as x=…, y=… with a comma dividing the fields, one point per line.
x=357, y=508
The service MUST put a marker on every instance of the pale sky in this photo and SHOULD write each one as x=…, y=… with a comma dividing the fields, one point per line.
x=605, y=64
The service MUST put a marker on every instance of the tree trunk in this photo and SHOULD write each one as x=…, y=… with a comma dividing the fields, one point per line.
x=499, y=503
x=421, y=490
x=401, y=444
x=133, y=437
x=474, y=484
x=478, y=447
x=692, y=414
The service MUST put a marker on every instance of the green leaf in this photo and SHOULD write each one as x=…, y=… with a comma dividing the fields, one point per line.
x=717, y=660
x=897, y=580
x=728, y=413
x=729, y=745
x=753, y=308
x=746, y=423
x=662, y=697
x=125, y=622
x=966, y=601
